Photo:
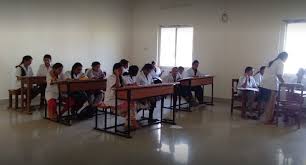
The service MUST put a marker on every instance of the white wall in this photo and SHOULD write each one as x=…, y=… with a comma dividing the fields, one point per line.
x=69, y=30
x=252, y=36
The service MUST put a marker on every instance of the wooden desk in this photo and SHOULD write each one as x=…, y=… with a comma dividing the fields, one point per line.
x=199, y=81
x=69, y=86
x=134, y=93
x=27, y=85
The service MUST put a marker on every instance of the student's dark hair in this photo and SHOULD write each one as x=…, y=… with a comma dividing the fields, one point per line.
x=195, y=62
x=282, y=55
x=124, y=62
x=247, y=69
x=25, y=58
x=181, y=68
x=147, y=67
x=95, y=64
x=57, y=65
x=76, y=65
x=116, y=66
x=48, y=56
x=153, y=62
x=133, y=70
x=261, y=68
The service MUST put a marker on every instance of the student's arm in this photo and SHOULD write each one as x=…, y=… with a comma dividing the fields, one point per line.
x=280, y=78
x=30, y=71
x=18, y=72
x=280, y=72
x=241, y=82
x=117, y=84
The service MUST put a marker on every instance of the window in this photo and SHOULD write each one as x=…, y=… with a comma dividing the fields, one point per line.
x=176, y=45
x=295, y=46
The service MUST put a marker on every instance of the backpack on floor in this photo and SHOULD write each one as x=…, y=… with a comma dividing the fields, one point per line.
x=86, y=113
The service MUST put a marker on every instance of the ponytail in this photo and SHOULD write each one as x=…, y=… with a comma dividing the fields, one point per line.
x=25, y=58
x=282, y=56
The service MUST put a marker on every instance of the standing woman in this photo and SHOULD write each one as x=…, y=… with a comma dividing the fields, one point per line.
x=271, y=80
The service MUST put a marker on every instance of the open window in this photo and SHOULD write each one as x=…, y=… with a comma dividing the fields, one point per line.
x=295, y=41
x=176, y=46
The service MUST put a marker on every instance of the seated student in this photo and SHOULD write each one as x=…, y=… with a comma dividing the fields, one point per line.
x=125, y=66
x=259, y=75
x=52, y=92
x=115, y=81
x=46, y=67
x=75, y=73
x=79, y=97
x=130, y=79
x=44, y=70
x=145, y=78
x=193, y=72
x=24, y=69
x=248, y=81
x=180, y=72
x=156, y=73
x=95, y=73
x=172, y=77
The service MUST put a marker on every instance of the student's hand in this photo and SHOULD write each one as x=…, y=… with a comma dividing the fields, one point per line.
x=117, y=73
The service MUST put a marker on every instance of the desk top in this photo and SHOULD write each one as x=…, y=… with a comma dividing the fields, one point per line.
x=30, y=77
x=147, y=86
x=78, y=81
x=249, y=89
x=141, y=92
x=196, y=78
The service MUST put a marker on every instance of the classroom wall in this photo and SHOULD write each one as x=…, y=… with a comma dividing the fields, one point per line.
x=69, y=30
x=251, y=37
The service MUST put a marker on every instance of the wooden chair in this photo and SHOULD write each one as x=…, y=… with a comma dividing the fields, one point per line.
x=235, y=97
x=291, y=104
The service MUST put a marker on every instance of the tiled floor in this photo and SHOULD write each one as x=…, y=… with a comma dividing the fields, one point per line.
x=206, y=136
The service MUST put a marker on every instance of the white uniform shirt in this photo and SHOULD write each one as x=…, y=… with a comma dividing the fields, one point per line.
x=93, y=74
x=251, y=83
x=28, y=72
x=157, y=73
x=43, y=70
x=258, y=78
x=75, y=77
x=180, y=76
x=144, y=80
x=270, y=79
x=110, y=95
x=169, y=78
x=128, y=80
x=190, y=73
x=52, y=90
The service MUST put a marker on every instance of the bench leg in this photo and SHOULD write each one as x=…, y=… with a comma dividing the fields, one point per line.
x=16, y=101
x=10, y=100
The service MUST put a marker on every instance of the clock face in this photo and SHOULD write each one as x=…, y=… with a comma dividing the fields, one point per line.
x=224, y=18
